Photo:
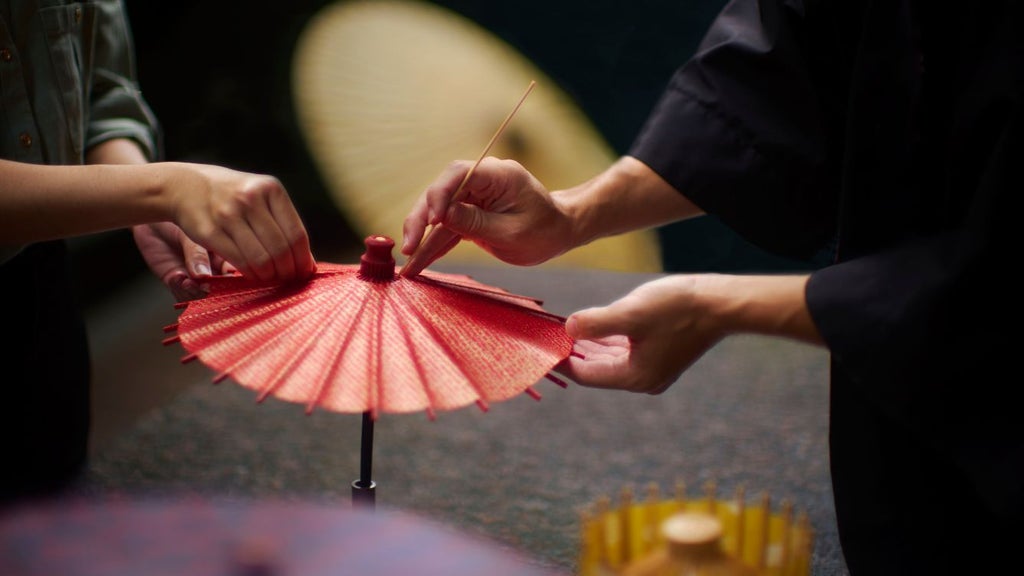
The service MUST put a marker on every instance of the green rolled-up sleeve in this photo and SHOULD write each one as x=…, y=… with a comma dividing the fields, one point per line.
x=117, y=107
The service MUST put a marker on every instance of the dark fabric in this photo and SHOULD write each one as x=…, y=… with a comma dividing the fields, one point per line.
x=45, y=423
x=894, y=128
x=70, y=84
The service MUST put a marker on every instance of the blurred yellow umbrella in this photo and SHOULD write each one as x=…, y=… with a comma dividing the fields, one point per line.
x=388, y=92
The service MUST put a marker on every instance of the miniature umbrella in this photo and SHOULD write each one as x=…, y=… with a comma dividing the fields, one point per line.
x=362, y=339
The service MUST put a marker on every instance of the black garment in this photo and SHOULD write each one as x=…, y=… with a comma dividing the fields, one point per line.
x=45, y=424
x=892, y=129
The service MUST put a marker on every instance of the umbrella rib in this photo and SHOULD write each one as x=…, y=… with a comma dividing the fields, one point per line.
x=428, y=278
x=257, y=350
x=275, y=381
x=223, y=303
x=449, y=353
x=377, y=390
x=322, y=385
x=417, y=363
x=493, y=296
x=262, y=290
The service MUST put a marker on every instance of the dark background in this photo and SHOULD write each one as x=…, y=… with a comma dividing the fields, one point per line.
x=217, y=76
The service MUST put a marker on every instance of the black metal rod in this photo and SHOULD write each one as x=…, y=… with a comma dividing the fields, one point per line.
x=366, y=451
x=364, y=489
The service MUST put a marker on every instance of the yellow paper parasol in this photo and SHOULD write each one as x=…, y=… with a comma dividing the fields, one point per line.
x=387, y=93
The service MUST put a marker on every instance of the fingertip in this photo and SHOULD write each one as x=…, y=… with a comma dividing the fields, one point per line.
x=572, y=326
x=307, y=270
x=582, y=324
x=407, y=247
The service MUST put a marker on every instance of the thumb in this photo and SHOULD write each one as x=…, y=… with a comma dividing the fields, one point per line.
x=467, y=220
x=595, y=323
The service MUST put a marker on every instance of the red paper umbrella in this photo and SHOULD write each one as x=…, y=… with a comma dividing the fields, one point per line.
x=363, y=339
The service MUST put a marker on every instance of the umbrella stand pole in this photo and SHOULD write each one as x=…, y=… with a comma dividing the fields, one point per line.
x=364, y=489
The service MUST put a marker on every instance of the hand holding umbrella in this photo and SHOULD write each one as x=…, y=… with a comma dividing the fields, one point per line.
x=441, y=239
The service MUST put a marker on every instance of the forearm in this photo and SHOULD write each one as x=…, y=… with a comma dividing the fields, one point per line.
x=628, y=196
x=773, y=305
x=47, y=202
x=117, y=151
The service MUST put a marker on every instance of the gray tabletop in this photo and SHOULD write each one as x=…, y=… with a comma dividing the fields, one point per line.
x=753, y=412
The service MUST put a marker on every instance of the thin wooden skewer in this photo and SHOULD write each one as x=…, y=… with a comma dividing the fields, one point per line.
x=439, y=236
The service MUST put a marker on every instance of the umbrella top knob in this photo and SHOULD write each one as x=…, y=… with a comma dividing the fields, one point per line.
x=377, y=264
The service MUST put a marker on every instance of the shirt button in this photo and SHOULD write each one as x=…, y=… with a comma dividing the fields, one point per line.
x=26, y=139
x=6, y=55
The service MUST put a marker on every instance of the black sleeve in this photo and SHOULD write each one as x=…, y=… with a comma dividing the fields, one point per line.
x=928, y=330
x=742, y=129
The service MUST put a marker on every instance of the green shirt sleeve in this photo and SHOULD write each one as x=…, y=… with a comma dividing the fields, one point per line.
x=116, y=106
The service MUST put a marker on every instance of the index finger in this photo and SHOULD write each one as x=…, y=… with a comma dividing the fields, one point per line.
x=290, y=224
x=441, y=192
x=414, y=226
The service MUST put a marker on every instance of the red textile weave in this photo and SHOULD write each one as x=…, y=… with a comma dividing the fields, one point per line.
x=347, y=343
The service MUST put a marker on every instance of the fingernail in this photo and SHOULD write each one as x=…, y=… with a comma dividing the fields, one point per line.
x=572, y=326
x=203, y=269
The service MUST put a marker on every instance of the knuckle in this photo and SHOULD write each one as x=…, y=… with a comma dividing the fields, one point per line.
x=226, y=212
x=509, y=164
x=271, y=187
x=459, y=165
x=249, y=196
x=258, y=189
x=205, y=231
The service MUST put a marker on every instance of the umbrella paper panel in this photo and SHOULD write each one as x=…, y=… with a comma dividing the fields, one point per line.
x=350, y=343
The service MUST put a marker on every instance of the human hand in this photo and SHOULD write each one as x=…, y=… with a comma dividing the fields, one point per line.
x=246, y=219
x=503, y=208
x=644, y=341
x=176, y=260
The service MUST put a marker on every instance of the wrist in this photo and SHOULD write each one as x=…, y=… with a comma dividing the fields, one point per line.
x=594, y=209
x=772, y=305
x=575, y=214
x=156, y=192
x=628, y=196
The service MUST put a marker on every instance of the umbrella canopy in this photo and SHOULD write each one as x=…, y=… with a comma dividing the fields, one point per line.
x=362, y=339
x=388, y=92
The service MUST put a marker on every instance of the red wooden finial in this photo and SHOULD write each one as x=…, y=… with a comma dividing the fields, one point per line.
x=377, y=264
